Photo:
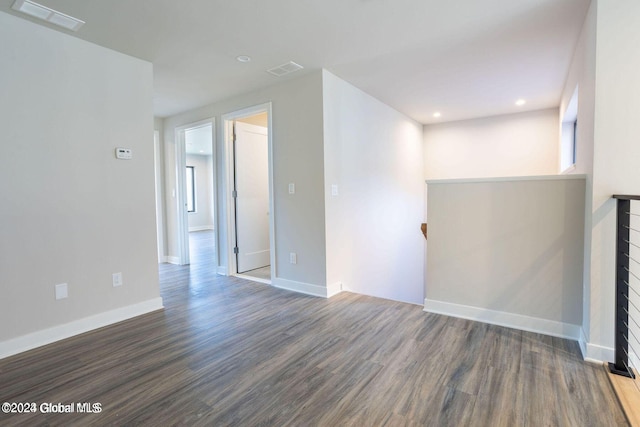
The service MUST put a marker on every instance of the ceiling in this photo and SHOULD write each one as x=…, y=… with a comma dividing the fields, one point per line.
x=463, y=58
x=199, y=141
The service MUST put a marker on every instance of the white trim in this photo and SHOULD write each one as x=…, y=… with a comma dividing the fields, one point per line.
x=173, y=260
x=181, y=201
x=300, y=287
x=222, y=270
x=201, y=228
x=334, y=289
x=501, y=318
x=80, y=326
x=594, y=353
x=598, y=353
x=159, y=192
x=569, y=169
x=506, y=179
x=582, y=341
x=253, y=278
x=228, y=188
x=227, y=129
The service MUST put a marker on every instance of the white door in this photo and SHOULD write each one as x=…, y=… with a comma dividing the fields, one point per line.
x=251, y=155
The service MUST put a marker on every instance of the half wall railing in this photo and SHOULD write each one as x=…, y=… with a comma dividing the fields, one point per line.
x=627, y=326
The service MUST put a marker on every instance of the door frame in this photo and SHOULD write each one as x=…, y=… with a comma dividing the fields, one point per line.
x=181, y=189
x=227, y=124
x=159, y=188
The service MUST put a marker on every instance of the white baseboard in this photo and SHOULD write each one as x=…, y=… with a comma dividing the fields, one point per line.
x=598, y=353
x=594, y=353
x=334, y=289
x=173, y=260
x=501, y=318
x=582, y=341
x=222, y=270
x=300, y=287
x=201, y=228
x=47, y=336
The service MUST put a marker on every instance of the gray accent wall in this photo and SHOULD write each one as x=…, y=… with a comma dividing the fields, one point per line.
x=510, y=245
x=70, y=211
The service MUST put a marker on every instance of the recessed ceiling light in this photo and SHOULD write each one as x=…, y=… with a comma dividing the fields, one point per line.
x=437, y=114
x=39, y=11
x=520, y=102
x=243, y=58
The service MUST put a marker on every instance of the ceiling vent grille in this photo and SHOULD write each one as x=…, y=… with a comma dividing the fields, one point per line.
x=46, y=14
x=285, y=69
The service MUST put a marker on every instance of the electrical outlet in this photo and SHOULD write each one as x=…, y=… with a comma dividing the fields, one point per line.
x=117, y=279
x=62, y=291
x=292, y=188
x=293, y=258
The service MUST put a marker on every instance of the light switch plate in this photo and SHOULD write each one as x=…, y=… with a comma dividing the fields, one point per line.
x=334, y=189
x=292, y=188
x=62, y=291
x=117, y=279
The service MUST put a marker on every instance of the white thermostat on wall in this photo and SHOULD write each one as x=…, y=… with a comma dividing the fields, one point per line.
x=124, y=153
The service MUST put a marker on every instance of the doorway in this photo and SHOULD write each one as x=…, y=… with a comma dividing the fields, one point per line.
x=250, y=205
x=199, y=172
x=196, y=198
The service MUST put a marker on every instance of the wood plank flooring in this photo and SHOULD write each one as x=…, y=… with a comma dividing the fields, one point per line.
x=628, y=392
x=229, y=352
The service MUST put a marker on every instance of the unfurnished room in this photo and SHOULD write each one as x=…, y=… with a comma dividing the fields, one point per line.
x=320, y=213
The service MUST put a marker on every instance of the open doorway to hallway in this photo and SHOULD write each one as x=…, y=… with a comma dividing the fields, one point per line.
x=196, y=195
x=199, y=191
x=250, y=205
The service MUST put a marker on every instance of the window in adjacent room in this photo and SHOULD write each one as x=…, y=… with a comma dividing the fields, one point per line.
x=191, y=189
x=569, y=142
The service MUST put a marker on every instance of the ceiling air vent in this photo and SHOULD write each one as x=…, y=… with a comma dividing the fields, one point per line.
x=284, y=69
x=39, y=11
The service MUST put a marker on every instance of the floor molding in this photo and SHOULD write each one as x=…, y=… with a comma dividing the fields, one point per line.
x=47, y=336
x=253, y=278
x=300, y=287
x=173, y=260
x=501, y=318
x=201, y=228
x=598, y=353
x=334, y=289
x=583, y=343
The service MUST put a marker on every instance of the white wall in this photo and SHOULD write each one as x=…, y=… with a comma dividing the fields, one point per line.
x=616, y=157
x=70, y=212
x=510, y=145
x=202, y=218
x=297, y=158
x=374, y=155
x=508, y=251
x=582, y=74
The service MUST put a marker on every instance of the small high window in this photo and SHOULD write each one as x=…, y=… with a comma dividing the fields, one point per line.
x=569, y=142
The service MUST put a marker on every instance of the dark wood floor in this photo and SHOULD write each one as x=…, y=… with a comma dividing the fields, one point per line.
x=228, y=352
